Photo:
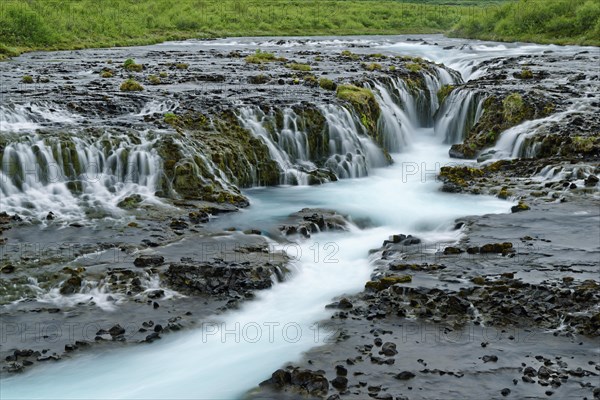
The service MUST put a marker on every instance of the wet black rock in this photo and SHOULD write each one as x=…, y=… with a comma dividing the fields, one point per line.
x=340, y=383
x=148, y=261
x=491, y=358
x=312, y=220
x=404, y=375
x=116, y=330
x=505, y=392
x=71, y=285
x=388, y=349
x=302, y=381
x=220, y=277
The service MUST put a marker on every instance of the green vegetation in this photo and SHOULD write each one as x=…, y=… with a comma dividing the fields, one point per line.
x=106, y=73
x=327, y=84
x=154, y=80
x=299, y=67
x=413, y=67
x=262, y=57
x=373, y=67
x=182, y=66
x=131, y=85
x=526, y=73
x=27, y=79
x=514, y=108
x=51, y=25
x=130, y=65
x=444, y=92
x=552, y=21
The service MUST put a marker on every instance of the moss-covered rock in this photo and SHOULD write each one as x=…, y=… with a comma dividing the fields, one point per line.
x=444, y=92
x=364, y=103
x=500, y=114
x=131, y=85
x=327, y=84
x=386, y=282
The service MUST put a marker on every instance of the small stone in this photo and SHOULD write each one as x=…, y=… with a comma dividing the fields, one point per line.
x=505, y=392
x=340, y=370
x=404, y=375
x=340, y=383
x=491, y=358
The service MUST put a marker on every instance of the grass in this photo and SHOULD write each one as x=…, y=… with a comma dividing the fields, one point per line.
x=260, y=57
x=299, y=67
x=52, y=25
x=553, y=21
x=131, y=85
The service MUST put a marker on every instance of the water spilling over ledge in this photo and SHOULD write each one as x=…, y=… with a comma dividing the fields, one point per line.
x=328, y=148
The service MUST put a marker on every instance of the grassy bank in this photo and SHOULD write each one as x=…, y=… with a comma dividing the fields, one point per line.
x=51, y=25
x=540, y=21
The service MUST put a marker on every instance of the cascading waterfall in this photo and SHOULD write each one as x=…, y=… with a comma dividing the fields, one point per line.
x=31, y=116
x=68, y=177
x=457, y=114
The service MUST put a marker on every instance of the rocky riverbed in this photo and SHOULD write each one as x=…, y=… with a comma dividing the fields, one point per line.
x=128, y=212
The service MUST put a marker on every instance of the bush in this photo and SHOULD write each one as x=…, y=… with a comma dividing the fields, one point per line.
x=327, y=84
x=131, y=85
x=526, y=74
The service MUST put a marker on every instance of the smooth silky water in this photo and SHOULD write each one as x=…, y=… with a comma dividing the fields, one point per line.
x=222, y=360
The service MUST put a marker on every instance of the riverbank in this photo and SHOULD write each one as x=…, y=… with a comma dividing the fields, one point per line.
x=221, y=211
x=32, y=26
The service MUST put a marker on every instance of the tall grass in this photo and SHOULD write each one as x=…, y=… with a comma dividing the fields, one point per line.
x=52, y=24
x=549, y=21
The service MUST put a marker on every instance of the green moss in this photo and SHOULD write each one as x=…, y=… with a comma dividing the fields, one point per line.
x=584, y=144
x=372, y=67
x=106, y=73
x=522, y=206
x=262, y=57
x=311, y=80
x=154, y=80
x=413, y=67
x=526, y=73
x=504, y=193
x=392, y=68
x=182, y=66
x=387, y=281
x=365, y=104
x=327, y=84
x=444, y=92
x=172, y=119
x=460, y=175
x=513, y=108
x=163, y=74
x=27, y=79
x=130, y=65
x=350, y=55
x=131, y=85
x=299, y=67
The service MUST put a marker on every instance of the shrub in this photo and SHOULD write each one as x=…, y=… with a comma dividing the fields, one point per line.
x=526, y=73
x=131, y=85
x=327, y=84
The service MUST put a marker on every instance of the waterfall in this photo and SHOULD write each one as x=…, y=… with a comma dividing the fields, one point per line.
x=31, y=116
x=458, y=113
x=71, y=175
x=348, y=151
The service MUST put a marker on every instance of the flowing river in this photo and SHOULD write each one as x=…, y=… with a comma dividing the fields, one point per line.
x=229, y=354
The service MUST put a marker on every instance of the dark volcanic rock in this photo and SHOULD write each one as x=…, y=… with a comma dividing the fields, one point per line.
x=301, y=381
x=148, y=261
